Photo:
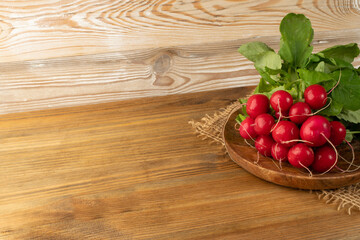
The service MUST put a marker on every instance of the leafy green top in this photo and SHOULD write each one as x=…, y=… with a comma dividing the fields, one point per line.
x=295, y=67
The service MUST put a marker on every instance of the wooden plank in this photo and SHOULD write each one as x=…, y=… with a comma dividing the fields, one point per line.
x=134, y=170
x=71, y=81
x=46, y=29
x=74, y=52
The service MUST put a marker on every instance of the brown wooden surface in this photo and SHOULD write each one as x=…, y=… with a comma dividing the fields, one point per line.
x=76, y=52
x=286, y=175
x=135, y=170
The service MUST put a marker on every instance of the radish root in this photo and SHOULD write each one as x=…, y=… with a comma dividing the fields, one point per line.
x=248, y=143
x=336, y=154
x=295, y=140
x=280, y=115
x=258, y=158
x=310, y=173
x=278, y=166
x=330, y=101
x=351, y=163
x=237, y=126
x=353, y=157
x=248, y=133
x=315, y=113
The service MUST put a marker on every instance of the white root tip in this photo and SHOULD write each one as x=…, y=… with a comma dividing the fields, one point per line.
x=310, y=173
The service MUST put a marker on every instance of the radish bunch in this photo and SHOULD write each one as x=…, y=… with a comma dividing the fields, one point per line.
x=294, y=132
x=298, y=92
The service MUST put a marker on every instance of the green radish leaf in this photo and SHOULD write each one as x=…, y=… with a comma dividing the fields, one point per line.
x=313, y=77
x=267, y=77
x=302, y=87
x=254, y=50
x=321, y=67
x=296, y=37
x=268, y=59
x=345, y=53
x=240, y=118
x=320, y=63
x=293, y=92
x=334, y=109
x=268, y=94
x=324, y=67
x=263, y=57
x=314, y=58
x=350, y=116
x=349, y=136
x=348, y=90
x=335, y=64
x=263, y=87
x=283, y=75
x=274, y=71
x=320, y=55
x=328, y=85
x=243, y=101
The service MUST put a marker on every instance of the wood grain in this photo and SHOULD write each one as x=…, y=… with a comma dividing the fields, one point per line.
x=70, y=81
x=43, y=29
x=74, y=52
x=135, y=170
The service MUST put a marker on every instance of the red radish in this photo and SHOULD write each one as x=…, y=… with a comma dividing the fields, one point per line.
x=338, y=132
x=299, y=112
x=325, y=158
x=314, y=129
x=281, y=100
x=246, y=129
x=263, y=144
x=263, y=124
x=300, y=155
x=285, y=131
x=257, y=104
x=279, y=152
x=283, y=115
x=315, y=95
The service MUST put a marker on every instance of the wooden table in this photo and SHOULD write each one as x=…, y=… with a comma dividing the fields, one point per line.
x=135, y=170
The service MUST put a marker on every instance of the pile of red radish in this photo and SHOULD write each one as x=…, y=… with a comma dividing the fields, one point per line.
x=288, y=131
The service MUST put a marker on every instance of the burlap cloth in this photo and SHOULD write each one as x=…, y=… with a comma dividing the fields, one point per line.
x=210, y=128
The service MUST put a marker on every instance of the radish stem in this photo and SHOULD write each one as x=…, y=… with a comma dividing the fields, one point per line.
x=336, y=83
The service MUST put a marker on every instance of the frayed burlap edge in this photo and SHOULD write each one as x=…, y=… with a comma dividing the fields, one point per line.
x=210, y=128
x=346, y=197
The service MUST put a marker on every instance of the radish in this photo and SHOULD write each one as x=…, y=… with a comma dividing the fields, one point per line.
x=263, y=124
x=246, y=129
x=256, y=105
x=279, y=152
x=299, y=112
x=285, y=132
x=325, y=159
x=301, y=156
x=281, y=100
x=263, y=144
x=315, y=95
x=338, y=132
x=315, y=131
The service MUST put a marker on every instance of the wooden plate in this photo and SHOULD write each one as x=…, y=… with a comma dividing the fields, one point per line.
x=269, y=169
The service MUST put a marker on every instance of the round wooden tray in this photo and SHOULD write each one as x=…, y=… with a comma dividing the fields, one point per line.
x=269, y=169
